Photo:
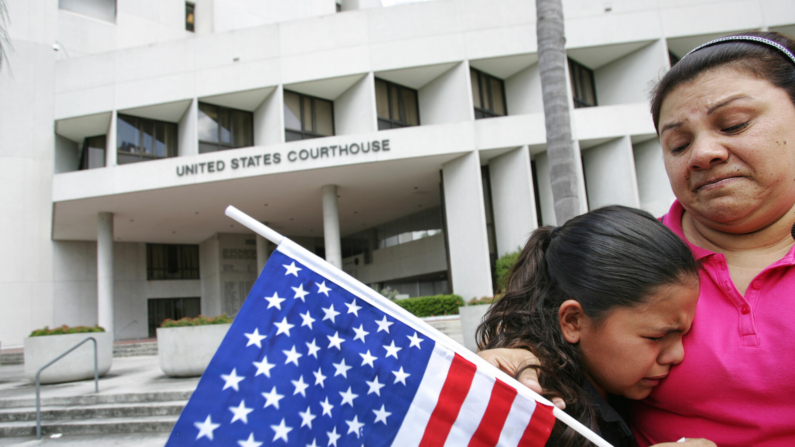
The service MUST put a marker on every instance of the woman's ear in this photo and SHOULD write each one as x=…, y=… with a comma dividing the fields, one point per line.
x=571, y=318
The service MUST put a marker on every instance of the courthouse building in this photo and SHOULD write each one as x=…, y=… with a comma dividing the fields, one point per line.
x=404, y=143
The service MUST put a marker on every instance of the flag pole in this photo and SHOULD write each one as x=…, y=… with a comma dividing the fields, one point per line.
x=271, y=235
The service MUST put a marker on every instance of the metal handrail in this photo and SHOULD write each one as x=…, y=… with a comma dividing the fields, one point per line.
x=137, y=331
x=38, y=381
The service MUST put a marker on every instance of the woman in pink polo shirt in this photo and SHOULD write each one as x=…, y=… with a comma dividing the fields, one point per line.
x=725, y=115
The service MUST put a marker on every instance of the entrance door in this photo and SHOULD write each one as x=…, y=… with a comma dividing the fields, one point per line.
x=174, y=308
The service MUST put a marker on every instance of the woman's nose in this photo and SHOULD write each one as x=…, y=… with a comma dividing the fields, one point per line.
x=706, y=152
x=672, y=354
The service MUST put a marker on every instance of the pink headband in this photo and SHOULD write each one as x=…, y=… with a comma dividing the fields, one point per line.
x=756, y=39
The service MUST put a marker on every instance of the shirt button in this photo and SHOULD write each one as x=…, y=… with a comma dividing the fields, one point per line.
x=745, y=310
x=757, y=284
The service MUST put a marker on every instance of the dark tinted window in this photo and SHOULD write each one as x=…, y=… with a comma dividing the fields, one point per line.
x=582, y=85
x=169, y=261
x=93, y=153
x=397, y=106
x=223, y=128
x=190, y=16
x=307, y=116
x=488, y=95
x=141, y=139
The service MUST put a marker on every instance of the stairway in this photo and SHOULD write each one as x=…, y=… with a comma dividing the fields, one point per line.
x=12, y=358
x=94, y=414
x=135, y=349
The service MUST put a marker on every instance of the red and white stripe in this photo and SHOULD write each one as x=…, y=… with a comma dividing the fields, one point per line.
x=470, y=408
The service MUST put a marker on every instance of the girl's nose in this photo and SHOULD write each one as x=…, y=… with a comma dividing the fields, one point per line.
x=672, y=354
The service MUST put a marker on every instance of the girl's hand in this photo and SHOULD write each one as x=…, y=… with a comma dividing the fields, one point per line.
x=512, y=360
x=689, y=442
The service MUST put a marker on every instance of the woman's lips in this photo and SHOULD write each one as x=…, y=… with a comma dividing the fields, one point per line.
x=707, y=185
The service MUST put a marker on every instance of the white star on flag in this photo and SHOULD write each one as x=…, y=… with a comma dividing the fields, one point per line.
x=255, y=338
x=272, y=398
x=284, y=327
x=232, y=379
x=333, y=437
x=392, y=350
x=275, y=301
x=331, y=314
x=300, y=386
x=319, y=378
x=354, y=426
x=400, y=376
x=360, y=333
x=281, y=431
x=335, y=341
x=375, y=387
x=327, y=407
x=250, y=442
x=368, y=359
x=415, y=341
x=347, y=397
x=299, y=292
x=292, y=269
x=321, y=288
x=308, y=320
x=307, y=417
x=241, y=412
x=264, y=367
x=383, y=325
x=313, y=349
x=206, y=428
x=353, y=308
x=292, y=356
x=381, y=415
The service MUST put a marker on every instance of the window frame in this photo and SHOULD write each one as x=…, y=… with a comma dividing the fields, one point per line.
x=396, y=123
x=190, y=10
x=488, y=113
x=85, y=155
x=305, y=134
x=221, y=145
x=576, y=70
x=143, y=156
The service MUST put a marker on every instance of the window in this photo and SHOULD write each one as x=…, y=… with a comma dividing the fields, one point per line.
x=222, y=128
x=160, y=309
x=99, y=9
x=141, y=139
x=673, y=58
x=410, y=228
x=488, y=95
x=582, y=85
x=166, y=261
x=307, y=117
x=93, y=154
x=397, y=105
x=190, y=17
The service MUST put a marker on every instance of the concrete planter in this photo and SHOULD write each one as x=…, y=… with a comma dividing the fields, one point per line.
x=471, y=317
x=186, y=351
x=78, y=365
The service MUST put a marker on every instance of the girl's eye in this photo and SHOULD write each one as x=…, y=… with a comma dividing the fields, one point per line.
x=736, y=128
x=655, y=339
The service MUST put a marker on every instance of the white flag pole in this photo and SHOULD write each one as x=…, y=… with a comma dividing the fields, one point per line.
x=564, y=417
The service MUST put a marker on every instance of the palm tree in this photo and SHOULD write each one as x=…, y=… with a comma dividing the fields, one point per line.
x=560, y=150
x=4, y=42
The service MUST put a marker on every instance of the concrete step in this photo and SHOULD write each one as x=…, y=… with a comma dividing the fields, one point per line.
x=98, y=399
x=135, y=349
x=15, y=358
x=101, y=411
x=154, y=424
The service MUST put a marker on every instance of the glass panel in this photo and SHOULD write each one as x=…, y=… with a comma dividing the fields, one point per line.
x=384, y=125
x=225, y=123
x=207, y=147
x=410, y=107
x=473, y=75
x=307, y=111
x=123, y=158
x=325, y=120
x=208, y=122
x=242, y=128
x=96, y=158
x=589, y=95
x=394, y=100
x=292, y=111
x=148, y=127
x=292, y=136
x=160, y=139
x=171, y=140
x=189, y=16
x=128, y=136
x=497, y=97
x=381, y=99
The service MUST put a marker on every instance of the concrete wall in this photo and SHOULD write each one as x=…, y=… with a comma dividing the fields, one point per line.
x=418, y=257
x=654, y=190
x=513, y=199
x=610, y=174
x=228, y=264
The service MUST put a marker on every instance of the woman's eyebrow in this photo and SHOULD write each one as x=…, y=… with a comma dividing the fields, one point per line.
x=669, y=127
x=727, y=102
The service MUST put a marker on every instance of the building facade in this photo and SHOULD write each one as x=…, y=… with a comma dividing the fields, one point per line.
x=405, y=144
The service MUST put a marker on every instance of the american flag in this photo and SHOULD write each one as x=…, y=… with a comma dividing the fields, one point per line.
x=315, y=358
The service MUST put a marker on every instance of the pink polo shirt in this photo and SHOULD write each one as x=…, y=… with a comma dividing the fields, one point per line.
x=736, y=385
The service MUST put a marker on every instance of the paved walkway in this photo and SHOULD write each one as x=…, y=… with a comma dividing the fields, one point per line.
x=127, y=375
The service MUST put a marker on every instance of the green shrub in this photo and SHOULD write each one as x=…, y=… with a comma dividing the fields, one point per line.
x=431, y=306
x=502, y=268
x=483, y=300
x=198, y=321
x=65, y=330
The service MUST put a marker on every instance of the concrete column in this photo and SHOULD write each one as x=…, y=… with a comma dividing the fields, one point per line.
x=263, y=253
x=545, y=190
x=187, y=131
x=610, y=173
x=110, y=141
x=513, y=200
x=466, y=227
x=331, y=226
x=105, y=271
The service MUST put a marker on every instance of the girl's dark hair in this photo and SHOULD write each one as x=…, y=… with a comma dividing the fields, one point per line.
x=763, y=61
x=611, y=257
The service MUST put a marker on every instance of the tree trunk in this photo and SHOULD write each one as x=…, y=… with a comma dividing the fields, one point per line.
x=4, y=41
x=560, y=150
